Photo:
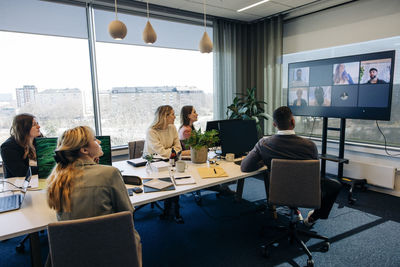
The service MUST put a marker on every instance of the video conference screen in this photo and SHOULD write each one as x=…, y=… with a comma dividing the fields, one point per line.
x=356, y=87
x=45, y=147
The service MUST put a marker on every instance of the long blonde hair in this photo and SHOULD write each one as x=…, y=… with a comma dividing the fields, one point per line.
x=20, y=130
x=61, y=179
x=160, y=120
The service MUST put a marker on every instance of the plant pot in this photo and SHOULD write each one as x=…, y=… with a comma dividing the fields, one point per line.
x=199, y=155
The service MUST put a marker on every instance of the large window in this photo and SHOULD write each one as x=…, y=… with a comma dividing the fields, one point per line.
x=135, y=78
x=364, y=131
x=46, y=70
x=42, y=72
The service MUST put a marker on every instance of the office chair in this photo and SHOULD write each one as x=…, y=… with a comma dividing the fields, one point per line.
x=295, y=183
x=107, y=240
x=135, y=150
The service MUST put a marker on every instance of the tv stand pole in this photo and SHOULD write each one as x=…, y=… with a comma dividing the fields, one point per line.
x=340, y=160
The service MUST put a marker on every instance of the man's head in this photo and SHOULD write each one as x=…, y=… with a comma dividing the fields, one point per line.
x=298, y=74
x=283, y=118
x=372, y=73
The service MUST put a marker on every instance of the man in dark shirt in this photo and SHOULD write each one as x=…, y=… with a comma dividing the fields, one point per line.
x=373, y=75
x=287, y=145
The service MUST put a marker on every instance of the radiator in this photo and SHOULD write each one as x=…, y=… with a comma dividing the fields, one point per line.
x=378, y=175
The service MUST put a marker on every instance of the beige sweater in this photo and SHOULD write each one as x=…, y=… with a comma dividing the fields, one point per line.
x=162, y=141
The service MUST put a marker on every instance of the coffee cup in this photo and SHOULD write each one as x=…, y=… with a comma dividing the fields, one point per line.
x=230, y=157
x=180, y=166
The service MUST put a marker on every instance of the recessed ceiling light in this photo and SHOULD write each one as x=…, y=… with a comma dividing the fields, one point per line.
x=253, y=5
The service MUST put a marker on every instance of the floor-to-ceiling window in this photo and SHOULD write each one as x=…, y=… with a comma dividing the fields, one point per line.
x=44, y=65
x=46, y=70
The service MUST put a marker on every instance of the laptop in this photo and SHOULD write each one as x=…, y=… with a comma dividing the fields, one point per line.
x=14, y=201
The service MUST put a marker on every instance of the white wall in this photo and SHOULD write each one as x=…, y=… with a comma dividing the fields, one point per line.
x=359, y=21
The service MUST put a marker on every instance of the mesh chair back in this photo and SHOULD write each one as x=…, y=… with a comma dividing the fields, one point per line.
x=98, y=241
x=295, y=183
x=135, y=149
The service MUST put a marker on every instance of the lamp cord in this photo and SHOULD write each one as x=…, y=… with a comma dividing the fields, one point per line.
x=204, y=9
x=148, y=10
x=116, y=14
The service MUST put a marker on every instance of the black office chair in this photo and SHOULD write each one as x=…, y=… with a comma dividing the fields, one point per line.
x=135, y=150
x=295, y=183
x=107, y=240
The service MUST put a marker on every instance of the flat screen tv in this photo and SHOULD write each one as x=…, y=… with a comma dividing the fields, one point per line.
x=45, y=147
x=355, y=87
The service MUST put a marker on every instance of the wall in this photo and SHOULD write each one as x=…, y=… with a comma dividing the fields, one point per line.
x=358, y=21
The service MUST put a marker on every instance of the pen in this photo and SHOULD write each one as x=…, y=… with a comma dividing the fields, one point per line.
x=183, y=177
x=215, y=171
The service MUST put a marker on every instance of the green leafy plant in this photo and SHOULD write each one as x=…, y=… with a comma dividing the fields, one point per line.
x=148, y=157
x=198, y=139
x=247, y=107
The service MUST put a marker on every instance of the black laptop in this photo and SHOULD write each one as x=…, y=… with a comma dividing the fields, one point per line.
x=14, y=201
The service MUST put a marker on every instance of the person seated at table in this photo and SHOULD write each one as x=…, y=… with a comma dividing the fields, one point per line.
x=78, y=187
x=188, y=117
x=18, y=151
x=161, y=137
x=285, y=144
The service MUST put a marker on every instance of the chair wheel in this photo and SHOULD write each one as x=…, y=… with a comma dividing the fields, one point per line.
x=264, y=251
x=352, y=201
x=325, y=247
x=310, y=263
x=20, y=248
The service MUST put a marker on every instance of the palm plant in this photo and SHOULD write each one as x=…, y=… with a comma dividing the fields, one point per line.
x=247, y=107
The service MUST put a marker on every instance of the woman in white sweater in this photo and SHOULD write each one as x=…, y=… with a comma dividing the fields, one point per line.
x=161, y=137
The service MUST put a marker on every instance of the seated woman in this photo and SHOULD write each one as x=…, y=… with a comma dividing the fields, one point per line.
x=161, y=137
x=188, y=117
x=80, y=188
x=18, y=151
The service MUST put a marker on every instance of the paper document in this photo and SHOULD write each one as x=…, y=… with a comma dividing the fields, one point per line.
x=209, y=172
x=158, y=184
x=184, y=180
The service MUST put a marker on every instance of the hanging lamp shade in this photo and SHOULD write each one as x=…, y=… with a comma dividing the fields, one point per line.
x=117, y=29
x=149, y=35
x=206, y=46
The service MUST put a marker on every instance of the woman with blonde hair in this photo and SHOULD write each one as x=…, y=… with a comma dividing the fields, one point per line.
x=161, y=138
x=18, y=152
x=78, y=187
x=162, y=135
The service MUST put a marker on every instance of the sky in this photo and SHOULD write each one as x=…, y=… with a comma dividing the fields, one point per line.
x=50, y=62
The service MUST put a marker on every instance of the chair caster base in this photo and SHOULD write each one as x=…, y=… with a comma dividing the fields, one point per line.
x=310, y=263
x=325, y=247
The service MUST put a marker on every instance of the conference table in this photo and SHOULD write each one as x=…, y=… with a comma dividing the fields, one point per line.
x=35, y=214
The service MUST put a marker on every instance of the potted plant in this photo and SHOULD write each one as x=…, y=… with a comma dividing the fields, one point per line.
x=199, y=143
x=247, y=107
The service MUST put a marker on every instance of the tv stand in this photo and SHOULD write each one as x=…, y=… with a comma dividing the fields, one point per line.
x=340, y=160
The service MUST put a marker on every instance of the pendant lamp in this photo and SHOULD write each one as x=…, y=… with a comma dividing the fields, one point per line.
x=149, y=35
x=117, y=28
x=206, y=46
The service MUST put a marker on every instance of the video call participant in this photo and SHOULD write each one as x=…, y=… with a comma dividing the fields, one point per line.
x=373, y=75
x=285, y=144
x=300, y=102
x=299, y=79
x=320, y=99
x=161, y=137
x=341, y=76
x=18, y=151
x=79, y=188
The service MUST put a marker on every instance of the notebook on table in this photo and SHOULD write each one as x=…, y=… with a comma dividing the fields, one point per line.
x=14, y=201
x=148, y=189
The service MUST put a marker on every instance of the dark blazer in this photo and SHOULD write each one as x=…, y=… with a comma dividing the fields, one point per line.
x=14, y=165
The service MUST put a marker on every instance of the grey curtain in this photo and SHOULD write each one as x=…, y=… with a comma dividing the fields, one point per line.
x=247, y=56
